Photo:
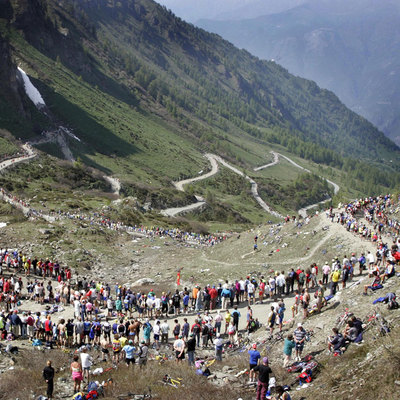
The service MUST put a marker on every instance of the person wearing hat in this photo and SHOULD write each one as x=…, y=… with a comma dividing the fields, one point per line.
x=179, y=347
x=129, y=350
x=218, y=343
x=326, y=269
x=254, y=356
x=335, y=276
x=263, y=378
x=143, y=352
x=191, y=348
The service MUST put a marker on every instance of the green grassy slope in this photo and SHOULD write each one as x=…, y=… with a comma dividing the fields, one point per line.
x=148, y=94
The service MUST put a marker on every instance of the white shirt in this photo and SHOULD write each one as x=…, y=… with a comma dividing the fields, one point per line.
x=280, y=280
x=250, y=288
x=149, y=302
x=164, y=327
x=326, y=269
x=86, y=360
x=157, y=303
x=272, y=283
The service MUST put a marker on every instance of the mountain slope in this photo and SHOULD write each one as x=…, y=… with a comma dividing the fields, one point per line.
x=193, y=10
x=351, y=48
x=148, y=94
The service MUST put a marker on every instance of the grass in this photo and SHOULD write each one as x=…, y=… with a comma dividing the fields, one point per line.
x=28, y=367
x=7, y=145
x=57, y=184
x=52, y=149
x=361, y=370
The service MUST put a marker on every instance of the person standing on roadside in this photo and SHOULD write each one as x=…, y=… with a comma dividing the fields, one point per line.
x=48, y=375
x=219, y=345
x=263, y=378
x=191, y=348
x=254, y=356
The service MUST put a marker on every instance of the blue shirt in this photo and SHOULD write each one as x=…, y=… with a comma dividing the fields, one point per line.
x=254, y=356
x=129, y=350
x=186, y=300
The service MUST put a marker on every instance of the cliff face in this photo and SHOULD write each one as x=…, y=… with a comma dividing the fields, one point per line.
x=9, y=85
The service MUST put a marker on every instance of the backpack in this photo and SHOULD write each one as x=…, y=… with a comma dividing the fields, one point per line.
x=252, y=326
x=92, y=395
x=305, y=377
x=196, y=329
x=92, y=386
x=272, y=318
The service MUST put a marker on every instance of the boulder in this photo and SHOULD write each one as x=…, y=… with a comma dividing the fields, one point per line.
x=143, y=281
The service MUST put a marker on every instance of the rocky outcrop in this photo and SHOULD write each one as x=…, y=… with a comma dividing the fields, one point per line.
x=10, y=89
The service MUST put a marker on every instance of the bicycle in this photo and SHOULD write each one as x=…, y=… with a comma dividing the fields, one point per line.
x=176, y=383
x=210, y=362
x=377, y=319
x=342, y=319
x=134, y=396
x=161, y=358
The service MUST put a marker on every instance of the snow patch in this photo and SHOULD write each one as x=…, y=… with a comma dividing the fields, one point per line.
x=3, y=224
x=30, y=90
x=69, y=132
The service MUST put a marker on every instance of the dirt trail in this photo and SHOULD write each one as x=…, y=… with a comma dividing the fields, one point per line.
x=214, y=169
x=30, y=154
x=303, y=211
x=334, y=230
x=276, y=160
x=215, y=160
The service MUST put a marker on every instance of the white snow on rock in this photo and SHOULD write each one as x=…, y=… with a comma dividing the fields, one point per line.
x=3, y=224
x=69, y=132
x=30, y=90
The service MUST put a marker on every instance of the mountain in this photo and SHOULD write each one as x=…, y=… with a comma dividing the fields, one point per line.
x=193, y=10
x=147, y=94
x=350, y=47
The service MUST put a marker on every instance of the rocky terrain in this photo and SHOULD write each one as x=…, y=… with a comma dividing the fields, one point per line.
x=146, y=262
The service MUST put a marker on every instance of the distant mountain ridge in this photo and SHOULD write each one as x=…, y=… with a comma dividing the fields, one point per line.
x=350, y=47
x=193, y=10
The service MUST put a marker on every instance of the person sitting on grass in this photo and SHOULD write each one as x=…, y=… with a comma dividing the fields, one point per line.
x=388, y=273
x=336, y=342
x=376, y=283
x=281, y=394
